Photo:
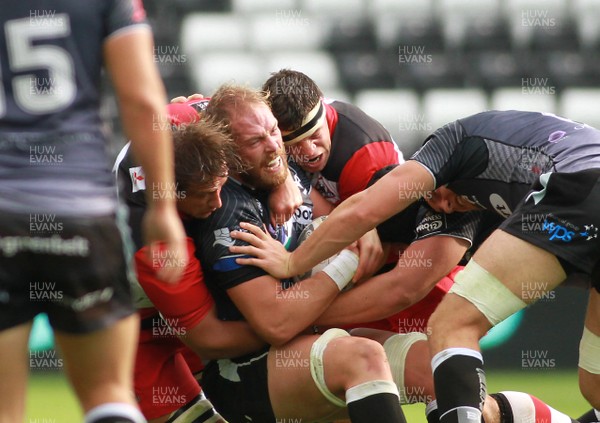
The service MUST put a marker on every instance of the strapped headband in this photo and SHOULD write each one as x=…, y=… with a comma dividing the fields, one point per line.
x=311, y=122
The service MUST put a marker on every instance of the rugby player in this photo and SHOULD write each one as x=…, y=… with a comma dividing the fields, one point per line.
x=521, y=165
x=286, y=380
x=178, y=323
x=54, y=163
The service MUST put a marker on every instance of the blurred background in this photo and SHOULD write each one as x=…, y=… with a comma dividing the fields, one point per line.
x=414, y=65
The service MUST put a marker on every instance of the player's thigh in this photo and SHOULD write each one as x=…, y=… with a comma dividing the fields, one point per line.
x=292, y=390
x=100, y=364
x=14, y=368
x=525, y=269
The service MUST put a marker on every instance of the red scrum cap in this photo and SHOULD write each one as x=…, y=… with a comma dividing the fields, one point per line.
x=186, y=113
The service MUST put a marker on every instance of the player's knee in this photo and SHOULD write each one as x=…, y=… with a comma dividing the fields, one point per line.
x=360, y=357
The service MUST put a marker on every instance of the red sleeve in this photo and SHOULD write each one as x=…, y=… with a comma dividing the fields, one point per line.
x=183, y=304
x=362, y=166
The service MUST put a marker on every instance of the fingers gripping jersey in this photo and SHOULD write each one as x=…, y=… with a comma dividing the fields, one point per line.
x=494, y=157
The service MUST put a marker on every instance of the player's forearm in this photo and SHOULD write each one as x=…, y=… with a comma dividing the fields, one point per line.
x=372, y=300
x=361, y=213
x=295, y=309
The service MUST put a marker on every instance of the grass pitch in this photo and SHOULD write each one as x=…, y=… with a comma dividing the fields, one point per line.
x=51, y=400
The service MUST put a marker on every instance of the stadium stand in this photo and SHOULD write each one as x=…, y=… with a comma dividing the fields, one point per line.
x=356, y=48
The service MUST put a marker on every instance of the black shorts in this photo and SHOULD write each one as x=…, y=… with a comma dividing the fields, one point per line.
x=565, y=221
x=73, y=269
x=239, y=388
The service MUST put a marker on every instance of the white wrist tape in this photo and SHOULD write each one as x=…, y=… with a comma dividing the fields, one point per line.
x=342, y=268
x=589, y=352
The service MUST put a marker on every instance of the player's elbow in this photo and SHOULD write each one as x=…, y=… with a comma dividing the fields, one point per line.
x=209, y=348
x=277, y=333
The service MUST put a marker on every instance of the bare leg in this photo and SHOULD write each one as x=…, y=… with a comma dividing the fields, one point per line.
x=457, y=325
x=589, y=383
x=14, y=368
x=100, y=364
x=348, y=362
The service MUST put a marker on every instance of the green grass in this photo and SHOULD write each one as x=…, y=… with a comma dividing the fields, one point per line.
x=51, y=400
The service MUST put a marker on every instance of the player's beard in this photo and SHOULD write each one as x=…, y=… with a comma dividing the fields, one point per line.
x=261, y=177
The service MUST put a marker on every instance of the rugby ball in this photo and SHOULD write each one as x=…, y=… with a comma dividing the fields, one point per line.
x=306, y=232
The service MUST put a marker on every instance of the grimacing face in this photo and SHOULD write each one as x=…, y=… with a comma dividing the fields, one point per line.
x=260, y=146
x=200, y=202
x=312, y=152
x=445, y=200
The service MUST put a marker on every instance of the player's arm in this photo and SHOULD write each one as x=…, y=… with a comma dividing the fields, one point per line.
x=348, y=222
x=284, y=200
x=141, y=95
x=279, y=315
x=406, y=284
x=215, y=339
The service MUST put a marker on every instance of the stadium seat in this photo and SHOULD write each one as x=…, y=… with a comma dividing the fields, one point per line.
x=581, y=104
x=319, y=65
x=287, y=31
x=213, y=69
x=351, y=34
x=495, y=69
x=586, y=14
x=441, y=106
x=516, y=99
x=457, y=17
x=526, y=17
x=363, y=71
x=202, y=32
x=399, y=111
x=405, y=10
x=404, y=22
x=393, y=32
x=437, y=70
x=245, y=7
x=338, y=9
x=569, y=69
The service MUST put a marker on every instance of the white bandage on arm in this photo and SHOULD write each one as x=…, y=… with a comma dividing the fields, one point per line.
x=478, y=286
x=317, y=370
x=396, y=348
x=342, y=268
x=589, y=352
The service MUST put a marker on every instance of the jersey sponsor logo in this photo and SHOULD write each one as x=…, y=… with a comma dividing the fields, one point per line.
x=557, y=136
x=566, y=231
x=223, y=238
x=499, y=205
x=138, y=179
x=590, y=232
x=431, y=223
x=557, y=232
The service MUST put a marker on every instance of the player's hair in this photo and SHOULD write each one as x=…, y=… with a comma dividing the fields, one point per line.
x=228, y=99
x=292, y=95
x=203, y=151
